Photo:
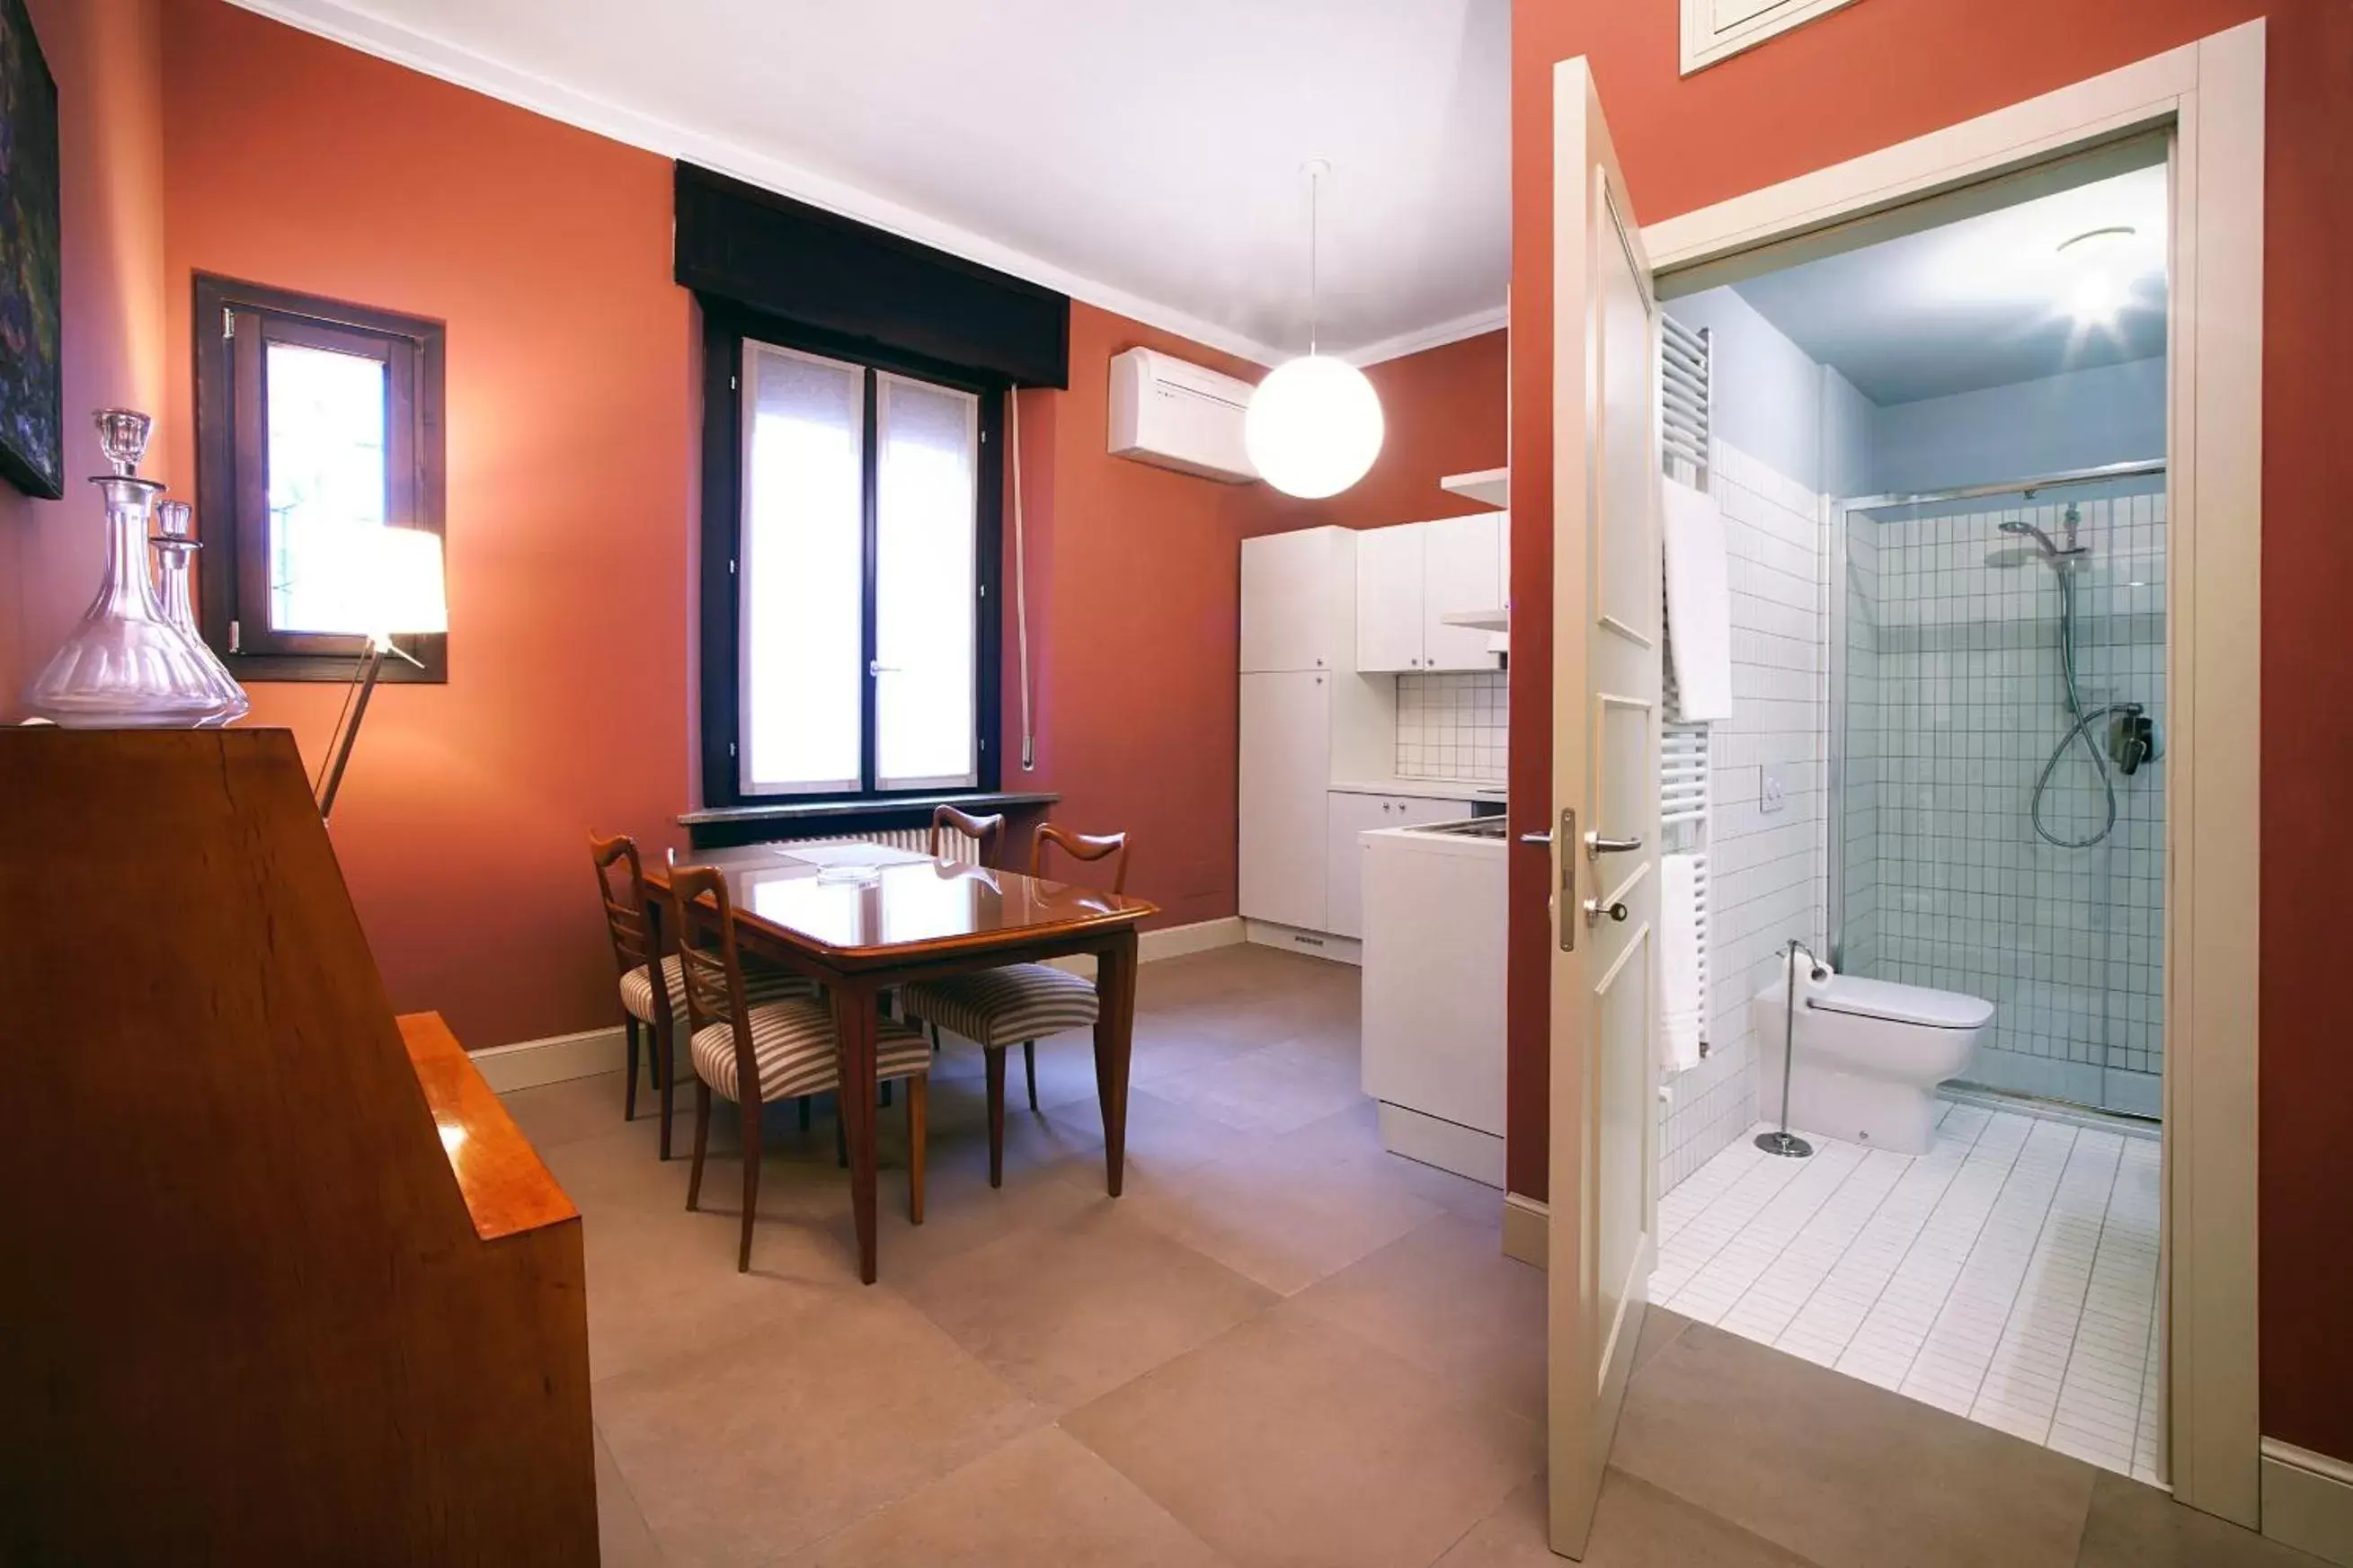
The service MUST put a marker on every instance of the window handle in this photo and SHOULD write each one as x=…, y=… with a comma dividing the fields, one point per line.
x=876, y=666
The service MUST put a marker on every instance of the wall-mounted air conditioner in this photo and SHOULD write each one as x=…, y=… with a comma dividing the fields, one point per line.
x=1178, y=415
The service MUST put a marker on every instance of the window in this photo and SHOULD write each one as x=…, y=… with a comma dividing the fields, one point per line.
x=849, y=628
x=317, y=421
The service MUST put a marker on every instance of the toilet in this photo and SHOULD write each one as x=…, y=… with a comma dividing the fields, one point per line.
x=1869, y=1057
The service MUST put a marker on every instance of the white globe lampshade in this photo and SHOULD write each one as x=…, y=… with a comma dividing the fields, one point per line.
x=1313, y=428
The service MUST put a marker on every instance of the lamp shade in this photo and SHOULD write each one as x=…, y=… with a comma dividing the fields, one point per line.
x=404, y=593
x=1313, y=428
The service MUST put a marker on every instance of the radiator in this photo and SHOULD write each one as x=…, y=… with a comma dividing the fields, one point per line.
x=953, y=845
x=1686, y=368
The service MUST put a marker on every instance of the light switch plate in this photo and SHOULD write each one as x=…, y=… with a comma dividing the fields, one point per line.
x=1769, y=794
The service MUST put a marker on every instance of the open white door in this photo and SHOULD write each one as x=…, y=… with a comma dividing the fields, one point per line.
x=1606, y=681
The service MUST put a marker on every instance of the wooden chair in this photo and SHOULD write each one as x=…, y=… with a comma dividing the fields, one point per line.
x=653, y=998
x=751, y=1054
x=996, y=1007
x=988, y=831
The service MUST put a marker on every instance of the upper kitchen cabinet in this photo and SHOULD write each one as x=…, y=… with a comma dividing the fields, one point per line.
x=1389, y=563
x=1463, y=573
x=1411, y=577
x=1299, y=601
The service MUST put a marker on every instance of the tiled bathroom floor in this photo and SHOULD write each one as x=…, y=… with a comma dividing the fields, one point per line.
x=2008, y=1275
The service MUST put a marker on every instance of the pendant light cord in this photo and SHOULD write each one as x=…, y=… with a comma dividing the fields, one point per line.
x=1314, y=181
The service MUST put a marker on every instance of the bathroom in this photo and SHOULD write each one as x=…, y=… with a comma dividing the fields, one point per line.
x=1938, y=464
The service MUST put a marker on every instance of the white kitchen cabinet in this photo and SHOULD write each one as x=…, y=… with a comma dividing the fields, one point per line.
x=1389, y=599
x=1349, y=815
x=1411, y=576
x=1462, y=572
x=1299, y=600
x=1286, y=762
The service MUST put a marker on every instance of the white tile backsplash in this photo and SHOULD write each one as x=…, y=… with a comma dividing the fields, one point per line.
x=1453, y=726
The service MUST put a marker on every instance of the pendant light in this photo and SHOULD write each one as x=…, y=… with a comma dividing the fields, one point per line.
x=1314, y=423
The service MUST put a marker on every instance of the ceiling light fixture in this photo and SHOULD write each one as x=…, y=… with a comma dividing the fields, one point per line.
x=2100, y=286
x=1314, y=423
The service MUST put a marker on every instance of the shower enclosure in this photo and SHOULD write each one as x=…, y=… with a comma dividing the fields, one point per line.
x=1997, y=768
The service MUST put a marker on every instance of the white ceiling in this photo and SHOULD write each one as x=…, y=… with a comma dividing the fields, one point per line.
x=1981, y=302
x=1142, y=155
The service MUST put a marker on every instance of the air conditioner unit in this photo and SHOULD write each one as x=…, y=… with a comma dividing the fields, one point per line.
x=1178, y=415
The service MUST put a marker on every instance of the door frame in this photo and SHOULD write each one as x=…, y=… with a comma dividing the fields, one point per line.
x=2210, y=95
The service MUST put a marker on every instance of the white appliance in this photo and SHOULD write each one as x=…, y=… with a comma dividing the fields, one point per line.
x=1174, y=415
x=1433, y=995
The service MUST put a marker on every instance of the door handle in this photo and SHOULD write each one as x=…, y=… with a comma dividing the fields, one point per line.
x=1596, y=847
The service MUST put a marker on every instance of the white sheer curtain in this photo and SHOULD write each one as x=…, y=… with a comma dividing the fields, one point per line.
x=926, y=473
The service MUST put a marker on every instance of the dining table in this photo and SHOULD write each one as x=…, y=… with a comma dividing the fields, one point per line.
x=863, y=919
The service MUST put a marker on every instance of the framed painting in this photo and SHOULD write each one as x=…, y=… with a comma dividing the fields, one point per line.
x=32, y=395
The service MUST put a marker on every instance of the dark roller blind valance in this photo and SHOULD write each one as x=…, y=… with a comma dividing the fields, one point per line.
x=786, y=259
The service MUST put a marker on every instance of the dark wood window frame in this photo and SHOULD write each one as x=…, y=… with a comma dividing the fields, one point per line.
x=725, y=327
x=232, y=322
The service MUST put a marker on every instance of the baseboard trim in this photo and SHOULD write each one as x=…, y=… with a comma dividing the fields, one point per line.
x=527, y=1064
x=2307, y=1500
x=1528, y=1229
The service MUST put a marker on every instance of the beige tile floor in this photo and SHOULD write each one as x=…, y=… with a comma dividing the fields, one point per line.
x=1282, y=1347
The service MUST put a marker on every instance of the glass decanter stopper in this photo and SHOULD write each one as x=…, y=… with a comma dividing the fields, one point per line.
x=175, y=544
x=126, y=666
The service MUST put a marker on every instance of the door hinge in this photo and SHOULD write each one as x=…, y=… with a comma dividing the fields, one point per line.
x=731, y=568
x=984, y=590
x=228, y=323
x=733, y=385
x=235, y=637
x=731, y=748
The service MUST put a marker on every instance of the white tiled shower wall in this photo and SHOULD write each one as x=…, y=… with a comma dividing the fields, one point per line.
x=1765, y=867
x=1954, y=703
x=1453, y=726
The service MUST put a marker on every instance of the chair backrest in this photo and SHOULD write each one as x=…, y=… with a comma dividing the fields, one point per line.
x=713, y=970
x=624, y=905
x=987, y=831
x=1082, y=846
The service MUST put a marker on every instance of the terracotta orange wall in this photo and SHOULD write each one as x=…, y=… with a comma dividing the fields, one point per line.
x=462, y=825
x=1875, y=73
x=573, y=431
x=107, y=55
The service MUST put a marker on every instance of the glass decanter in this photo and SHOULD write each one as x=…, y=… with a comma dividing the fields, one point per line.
x=126, y=666
x=175, y=544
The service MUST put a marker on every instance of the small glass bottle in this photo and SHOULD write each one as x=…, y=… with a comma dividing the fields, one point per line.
x=126, y=666
x=175, y=544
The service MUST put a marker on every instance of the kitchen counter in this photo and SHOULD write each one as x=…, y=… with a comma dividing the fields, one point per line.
x=1422, y=789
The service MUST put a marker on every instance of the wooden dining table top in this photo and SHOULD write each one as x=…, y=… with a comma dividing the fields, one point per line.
x=855, y=905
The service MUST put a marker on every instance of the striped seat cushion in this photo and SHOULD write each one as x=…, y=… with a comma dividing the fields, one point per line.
x=1005, y=1007
x=761, y=984
x=797, y=1049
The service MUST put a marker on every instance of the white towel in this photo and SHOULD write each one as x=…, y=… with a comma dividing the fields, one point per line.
x=1681, y=1006
x=1699, y=604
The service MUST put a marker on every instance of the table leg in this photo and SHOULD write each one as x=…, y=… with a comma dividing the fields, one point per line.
x=1114, y=1039
x=857, y=1016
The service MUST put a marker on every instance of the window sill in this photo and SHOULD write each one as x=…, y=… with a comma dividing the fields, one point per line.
x=718, y=827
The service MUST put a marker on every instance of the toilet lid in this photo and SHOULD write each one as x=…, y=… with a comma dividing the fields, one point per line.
x=1900, y=1003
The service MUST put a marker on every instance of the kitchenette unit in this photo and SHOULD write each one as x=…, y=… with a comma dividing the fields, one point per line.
x=1371, y=699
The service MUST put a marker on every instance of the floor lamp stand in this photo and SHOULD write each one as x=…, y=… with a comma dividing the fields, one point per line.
x=355, y=706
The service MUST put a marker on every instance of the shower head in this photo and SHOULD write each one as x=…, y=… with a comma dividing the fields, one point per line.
x=2020, y=525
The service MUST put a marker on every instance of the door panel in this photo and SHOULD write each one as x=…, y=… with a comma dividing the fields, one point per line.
x=1286, y=728
x=1605, y=679
x=1459, y=560
x=1388, y=598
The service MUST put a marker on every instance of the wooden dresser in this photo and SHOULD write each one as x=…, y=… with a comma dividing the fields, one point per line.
x=279, y=1280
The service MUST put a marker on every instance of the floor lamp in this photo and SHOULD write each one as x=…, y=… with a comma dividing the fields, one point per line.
x=397, y=591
